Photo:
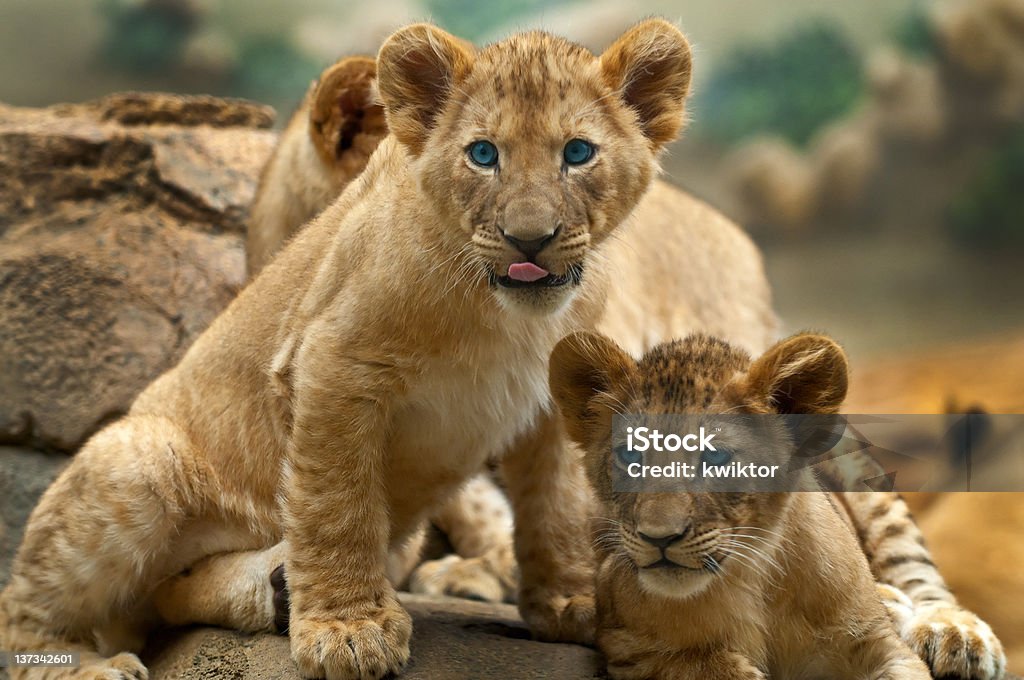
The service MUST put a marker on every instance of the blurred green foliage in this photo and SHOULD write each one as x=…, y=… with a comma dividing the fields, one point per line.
x=473, y=19
x=809, y=77
x=989, y=212
x=145, y=37
x=915, y=35
x=271, y=68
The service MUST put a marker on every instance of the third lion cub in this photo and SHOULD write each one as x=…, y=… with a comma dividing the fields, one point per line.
x=723, y=586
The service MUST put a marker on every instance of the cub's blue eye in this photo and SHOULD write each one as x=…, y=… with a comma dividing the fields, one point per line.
x=626, y=456
x=578, y=152
x=716, y=458
x=483, y=153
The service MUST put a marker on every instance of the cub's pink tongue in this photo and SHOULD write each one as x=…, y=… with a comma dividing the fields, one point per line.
x=527, y=272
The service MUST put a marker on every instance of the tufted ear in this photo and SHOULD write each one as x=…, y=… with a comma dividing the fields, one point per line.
x=583, y=365
x=650, y=66
x=419, y=66
x=345, y=119
x=806, y=373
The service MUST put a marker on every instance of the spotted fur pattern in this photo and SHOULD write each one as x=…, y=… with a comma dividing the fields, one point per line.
x=953, y=641
x=798, y=557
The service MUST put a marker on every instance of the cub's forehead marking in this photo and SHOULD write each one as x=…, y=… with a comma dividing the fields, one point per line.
x=533, y=67
x=688, y=373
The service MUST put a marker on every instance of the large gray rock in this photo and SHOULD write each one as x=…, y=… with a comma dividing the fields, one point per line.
x=121, y=238
x=452, y=640
x=24, y=475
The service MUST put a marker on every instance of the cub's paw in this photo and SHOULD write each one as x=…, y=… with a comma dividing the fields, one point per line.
x=560, y=618
x=120, y=667
x=281, y=600
x=742, y=668
x=954, y=642
x=899, y=607
x=357, y=649
x=469, y=578
x=730, y=666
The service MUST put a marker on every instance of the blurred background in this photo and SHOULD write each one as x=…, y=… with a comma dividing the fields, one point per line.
x=874, y=149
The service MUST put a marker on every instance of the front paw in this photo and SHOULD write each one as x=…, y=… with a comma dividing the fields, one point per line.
x=354, y=649
x=954, y=642
x=560, y=618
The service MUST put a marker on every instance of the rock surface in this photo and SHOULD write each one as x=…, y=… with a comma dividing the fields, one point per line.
x=452, y=640
x=121, y=233
x=24, y=475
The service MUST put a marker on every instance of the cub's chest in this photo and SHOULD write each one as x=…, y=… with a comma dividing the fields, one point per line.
x=467, y=411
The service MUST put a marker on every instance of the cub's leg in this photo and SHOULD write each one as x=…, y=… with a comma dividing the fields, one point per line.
x=99, y=539
x=345, y=617
x=552, y=505
x=884, y=656
x=952, y=641
x=491, y=577
x=478, y=523
x=231, y=590
x=477, y=518
x=905, y=665
x=248, y=590
x=629, y=658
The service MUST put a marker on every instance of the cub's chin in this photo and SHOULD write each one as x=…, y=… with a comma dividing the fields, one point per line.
x=678, y=583
x=547, y=296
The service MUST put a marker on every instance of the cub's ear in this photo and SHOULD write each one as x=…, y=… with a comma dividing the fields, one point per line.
x=806, y=373
x=344, y=118
x=418, y=67
x=583, y=365
x=650, y=66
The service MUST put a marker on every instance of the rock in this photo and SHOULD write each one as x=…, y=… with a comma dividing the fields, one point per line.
x=907, y=98
x=774, y=183
x=121, y=238
x=452, y=639
x=24, y=475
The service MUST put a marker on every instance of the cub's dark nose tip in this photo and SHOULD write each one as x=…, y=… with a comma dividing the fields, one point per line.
x=662, y=542
x=531, y=247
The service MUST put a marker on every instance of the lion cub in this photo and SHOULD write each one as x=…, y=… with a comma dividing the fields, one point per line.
x=397, y=344
x=723, y=586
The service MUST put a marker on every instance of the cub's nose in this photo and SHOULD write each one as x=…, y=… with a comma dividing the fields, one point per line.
x=531, y=247
x=662, y=540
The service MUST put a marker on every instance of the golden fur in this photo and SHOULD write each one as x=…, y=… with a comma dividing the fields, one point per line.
x=331, y=137
x=311, y=157
x=721, y=290
x=788, y=592
x=325, y=145
x=373, y=366
x=952, y=640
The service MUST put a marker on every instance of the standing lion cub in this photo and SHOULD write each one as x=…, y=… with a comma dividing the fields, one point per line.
x=398, y=343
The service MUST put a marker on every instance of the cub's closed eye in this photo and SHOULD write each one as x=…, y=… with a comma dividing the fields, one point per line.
x=626, y=456
x=716, y=458
x=578, y=151
x=483, y=153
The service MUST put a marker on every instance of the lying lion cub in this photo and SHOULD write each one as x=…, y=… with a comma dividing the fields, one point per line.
x=724, y=586
x=382, y=358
